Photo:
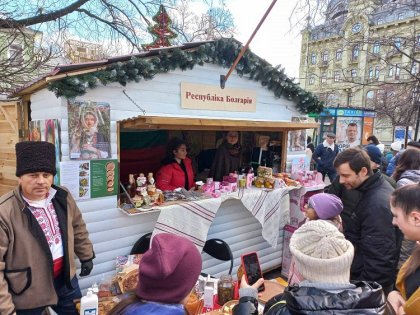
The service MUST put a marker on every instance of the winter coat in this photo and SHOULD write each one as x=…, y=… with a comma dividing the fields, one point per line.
x=350, y=199
x=393, y=164
x=324, y=157
x=171, y=176
x=226, y=160
x=26, y=264
x=364, y=298
x=409, y=177
x=373, y=235
x=154, y=308
x=409, y=288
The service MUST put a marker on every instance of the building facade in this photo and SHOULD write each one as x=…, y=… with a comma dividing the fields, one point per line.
x=364, y=56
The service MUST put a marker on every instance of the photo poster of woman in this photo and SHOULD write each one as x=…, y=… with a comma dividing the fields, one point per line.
x=89, y=130
x=348, y=132
x=297, y=140
x=48, y=130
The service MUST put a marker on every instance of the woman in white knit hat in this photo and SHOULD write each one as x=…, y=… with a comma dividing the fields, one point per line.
x=323, y=257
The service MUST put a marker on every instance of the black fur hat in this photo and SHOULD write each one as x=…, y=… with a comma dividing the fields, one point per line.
x=35, y=156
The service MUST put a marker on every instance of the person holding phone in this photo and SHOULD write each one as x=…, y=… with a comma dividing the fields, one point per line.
x=323, y=257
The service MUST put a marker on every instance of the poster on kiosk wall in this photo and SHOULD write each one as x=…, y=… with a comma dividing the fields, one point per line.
x=90, y=179
x=89, y=130
x=348, y=132
x=47, y=130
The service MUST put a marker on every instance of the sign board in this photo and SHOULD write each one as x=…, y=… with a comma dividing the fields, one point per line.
x=200, y=96
x=399, y=133
x=90, y=179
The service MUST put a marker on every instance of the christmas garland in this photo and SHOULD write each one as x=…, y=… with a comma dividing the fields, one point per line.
x=222, y=52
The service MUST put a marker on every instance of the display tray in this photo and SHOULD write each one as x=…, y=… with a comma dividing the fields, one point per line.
x=136, y=211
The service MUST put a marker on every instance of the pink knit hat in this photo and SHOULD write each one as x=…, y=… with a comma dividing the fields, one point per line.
x=326, y=206
x=169, y=269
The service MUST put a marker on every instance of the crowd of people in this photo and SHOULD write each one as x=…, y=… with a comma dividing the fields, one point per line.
x=358, y=251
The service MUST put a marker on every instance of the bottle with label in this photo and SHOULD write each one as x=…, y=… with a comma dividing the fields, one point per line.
x=89, y=304
x=150, y=179
x=131, y=185
x=141, y=181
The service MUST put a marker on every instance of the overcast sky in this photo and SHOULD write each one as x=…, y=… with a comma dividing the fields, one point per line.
x=274, y=42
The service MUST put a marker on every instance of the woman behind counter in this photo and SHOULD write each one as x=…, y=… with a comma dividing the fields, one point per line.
x=227, y=156
x=176, y=170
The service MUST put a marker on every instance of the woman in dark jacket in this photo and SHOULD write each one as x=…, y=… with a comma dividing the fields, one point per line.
x=324, y=257
x=227, y=157
x=176, y=170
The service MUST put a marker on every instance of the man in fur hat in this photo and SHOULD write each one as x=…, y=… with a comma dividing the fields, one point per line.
x=41, y=228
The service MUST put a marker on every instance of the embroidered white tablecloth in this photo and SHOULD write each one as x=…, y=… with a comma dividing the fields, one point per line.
x=193, y=219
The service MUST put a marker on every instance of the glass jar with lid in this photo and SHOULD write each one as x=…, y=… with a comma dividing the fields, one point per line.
x=225, y=289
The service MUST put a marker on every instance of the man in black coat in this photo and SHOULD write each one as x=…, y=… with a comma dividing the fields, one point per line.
x=371, y=230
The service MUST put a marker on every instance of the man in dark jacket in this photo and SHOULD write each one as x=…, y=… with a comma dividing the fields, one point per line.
x=351, y=198
x=324, y=156
x=371, y=230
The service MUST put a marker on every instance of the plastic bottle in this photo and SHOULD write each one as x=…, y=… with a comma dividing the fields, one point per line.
x=131, y=185
x=89, y=304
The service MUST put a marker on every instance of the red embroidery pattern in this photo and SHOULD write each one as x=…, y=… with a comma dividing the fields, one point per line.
x=47, y=220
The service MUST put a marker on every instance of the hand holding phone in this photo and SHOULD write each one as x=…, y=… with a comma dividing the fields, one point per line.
x=252, y=269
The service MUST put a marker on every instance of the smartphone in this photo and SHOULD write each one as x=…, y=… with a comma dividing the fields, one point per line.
x=252, y=269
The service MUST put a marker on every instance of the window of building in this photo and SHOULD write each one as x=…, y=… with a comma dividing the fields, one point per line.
x=336, y=76
x=338, y=54
x=349, y=98
x=355, y=52
x=370, y=95
x=418, y=41
x=353, y=73
x=311, y=79
x=380, y=21
x=391, y=71
x=324, y=78
x=332, y=100
x=313, y=58
x=376, y=47
x=325, y=56
x=377, y=72
x=15, y=54
x=397, y=70
x=400, y=16
x=414, y=68
x=370, y=73
x=397, y=42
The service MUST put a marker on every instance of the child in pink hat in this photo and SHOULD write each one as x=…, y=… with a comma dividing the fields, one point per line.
x=321, y=206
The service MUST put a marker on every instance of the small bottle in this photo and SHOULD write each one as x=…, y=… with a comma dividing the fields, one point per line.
x=150, y=179
x=131, y=185
x=89, y=304
x=141, y=180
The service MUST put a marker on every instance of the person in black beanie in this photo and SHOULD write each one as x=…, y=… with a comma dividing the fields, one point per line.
x=41, y=229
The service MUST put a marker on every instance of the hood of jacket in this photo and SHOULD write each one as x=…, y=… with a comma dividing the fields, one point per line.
x=412, y=175
x=366, y=298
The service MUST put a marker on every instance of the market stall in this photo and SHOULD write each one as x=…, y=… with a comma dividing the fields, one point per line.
x=180, y=96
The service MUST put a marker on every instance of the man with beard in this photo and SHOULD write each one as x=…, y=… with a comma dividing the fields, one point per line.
x=371, y=230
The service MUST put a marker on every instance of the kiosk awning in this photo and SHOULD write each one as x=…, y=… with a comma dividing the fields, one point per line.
x=189, y=123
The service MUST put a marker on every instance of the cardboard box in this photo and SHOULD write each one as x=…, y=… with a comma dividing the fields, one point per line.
x=287, y=255
x=297, y=215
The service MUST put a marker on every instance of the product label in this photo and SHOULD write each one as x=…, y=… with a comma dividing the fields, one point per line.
x=90, y=311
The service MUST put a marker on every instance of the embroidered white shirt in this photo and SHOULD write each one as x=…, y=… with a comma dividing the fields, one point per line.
x=44, y=212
